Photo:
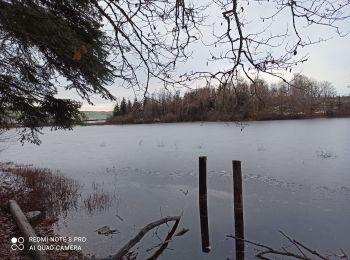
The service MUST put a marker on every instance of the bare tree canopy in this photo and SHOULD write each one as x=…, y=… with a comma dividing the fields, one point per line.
x=87, y=46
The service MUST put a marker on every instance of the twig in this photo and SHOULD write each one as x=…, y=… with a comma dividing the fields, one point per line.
x=314, y=252
x=293, y=242
x=269, y=250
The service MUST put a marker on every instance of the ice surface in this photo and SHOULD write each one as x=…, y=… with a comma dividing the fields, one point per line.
x=151, y=171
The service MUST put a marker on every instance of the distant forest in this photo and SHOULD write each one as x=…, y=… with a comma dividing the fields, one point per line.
x=306, y=98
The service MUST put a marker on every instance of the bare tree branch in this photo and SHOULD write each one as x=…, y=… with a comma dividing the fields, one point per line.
x=265, y=251
x=126, y=248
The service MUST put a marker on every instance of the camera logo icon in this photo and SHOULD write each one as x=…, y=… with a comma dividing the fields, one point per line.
x=17, y=243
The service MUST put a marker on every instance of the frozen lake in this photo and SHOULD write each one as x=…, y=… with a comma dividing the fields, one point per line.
x=296, y=179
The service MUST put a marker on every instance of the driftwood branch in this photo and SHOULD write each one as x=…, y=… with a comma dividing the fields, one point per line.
x=126, y=248
x=304, y=250
x=164, y=245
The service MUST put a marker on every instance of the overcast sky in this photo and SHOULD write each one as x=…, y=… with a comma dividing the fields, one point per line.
x=328, y=61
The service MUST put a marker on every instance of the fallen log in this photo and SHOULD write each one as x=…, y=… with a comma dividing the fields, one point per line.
x=26, y=230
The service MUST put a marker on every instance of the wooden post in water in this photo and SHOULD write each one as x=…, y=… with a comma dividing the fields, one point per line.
x=203, y=177
x=203, y=207
x=238, y=209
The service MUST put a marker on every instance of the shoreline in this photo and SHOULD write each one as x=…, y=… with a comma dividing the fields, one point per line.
x=20, y=183
x=138, y=122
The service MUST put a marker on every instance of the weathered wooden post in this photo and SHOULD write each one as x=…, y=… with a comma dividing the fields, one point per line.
x=238, y=209
x=203, y=177
x=203, y=207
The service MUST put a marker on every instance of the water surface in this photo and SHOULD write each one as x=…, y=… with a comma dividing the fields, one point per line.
x=296, y=179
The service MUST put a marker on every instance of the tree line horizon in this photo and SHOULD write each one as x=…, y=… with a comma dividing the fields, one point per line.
x=88, y=46
x=241, y=100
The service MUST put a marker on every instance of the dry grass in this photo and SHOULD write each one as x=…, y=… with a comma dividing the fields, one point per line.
x=54, y=192
x=35, y=189
x=326, y=155
x=99, y=200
